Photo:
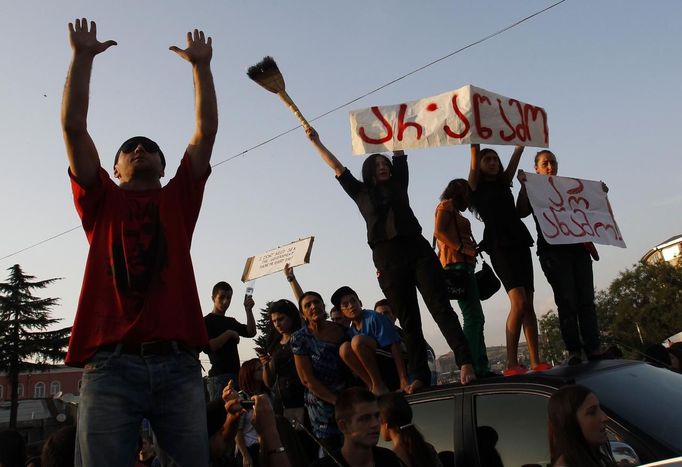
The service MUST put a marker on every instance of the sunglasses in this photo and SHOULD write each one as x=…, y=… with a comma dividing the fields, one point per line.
x=148, y=145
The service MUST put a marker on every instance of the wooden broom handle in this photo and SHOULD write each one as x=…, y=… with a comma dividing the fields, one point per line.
x=290, y=103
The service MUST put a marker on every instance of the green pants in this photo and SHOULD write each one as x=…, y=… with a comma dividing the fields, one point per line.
x=472, y=315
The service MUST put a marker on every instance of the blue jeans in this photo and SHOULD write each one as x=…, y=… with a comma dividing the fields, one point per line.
x=118, y=390
x=216, y=384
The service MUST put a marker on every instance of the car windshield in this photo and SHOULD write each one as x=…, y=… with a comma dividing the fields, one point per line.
x=643, y=396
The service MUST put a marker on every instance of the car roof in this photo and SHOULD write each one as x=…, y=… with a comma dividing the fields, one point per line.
x=555, y=377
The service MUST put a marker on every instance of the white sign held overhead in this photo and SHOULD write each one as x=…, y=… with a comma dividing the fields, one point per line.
x=295, y=253
x=464, y=116
x=571, y=210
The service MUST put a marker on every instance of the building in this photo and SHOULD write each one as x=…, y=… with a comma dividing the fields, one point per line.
x=670, y=251
x=43, y=384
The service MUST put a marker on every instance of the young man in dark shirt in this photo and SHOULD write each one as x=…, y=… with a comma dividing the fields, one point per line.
x=223, y=334
x=357, y=415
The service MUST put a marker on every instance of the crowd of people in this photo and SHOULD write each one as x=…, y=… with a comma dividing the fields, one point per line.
x=138, y=328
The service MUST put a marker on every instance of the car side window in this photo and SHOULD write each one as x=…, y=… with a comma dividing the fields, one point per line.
x=511, y=429
x=436, y=421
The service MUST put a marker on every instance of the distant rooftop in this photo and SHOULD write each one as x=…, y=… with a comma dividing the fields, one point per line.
x=669, y=250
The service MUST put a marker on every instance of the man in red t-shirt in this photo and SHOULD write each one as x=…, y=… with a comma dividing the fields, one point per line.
x=138, y=326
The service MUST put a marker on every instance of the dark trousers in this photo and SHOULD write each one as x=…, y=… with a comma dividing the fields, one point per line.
x=569, y=271
x=403, y=266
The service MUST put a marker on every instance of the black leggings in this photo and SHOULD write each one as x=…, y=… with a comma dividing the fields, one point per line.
x=405, y=264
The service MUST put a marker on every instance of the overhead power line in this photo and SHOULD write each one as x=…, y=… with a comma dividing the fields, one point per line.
x=339, y=107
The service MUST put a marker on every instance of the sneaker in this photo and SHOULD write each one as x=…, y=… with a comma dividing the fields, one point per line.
x=542, y=366
x=574, y=358
x=515, y=370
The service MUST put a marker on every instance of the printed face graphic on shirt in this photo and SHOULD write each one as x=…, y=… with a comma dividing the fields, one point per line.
x=139, y=251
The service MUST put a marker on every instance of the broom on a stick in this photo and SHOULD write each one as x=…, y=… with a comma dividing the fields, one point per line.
x=268, y=76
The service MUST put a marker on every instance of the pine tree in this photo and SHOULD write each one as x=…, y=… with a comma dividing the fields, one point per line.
x=25, y=343
x=264, y=325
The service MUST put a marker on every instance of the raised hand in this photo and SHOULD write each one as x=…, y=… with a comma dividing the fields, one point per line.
x=199, y=50
x=84, y=41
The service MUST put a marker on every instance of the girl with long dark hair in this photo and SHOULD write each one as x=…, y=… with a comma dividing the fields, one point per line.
x=279, y=371
x=507, y=240
x=577, y=429
x=403, y=258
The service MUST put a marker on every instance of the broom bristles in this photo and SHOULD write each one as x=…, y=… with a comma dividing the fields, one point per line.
x=267, y=74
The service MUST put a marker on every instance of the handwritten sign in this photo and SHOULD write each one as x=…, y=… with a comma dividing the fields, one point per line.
x=571, y=210
x=464, y=116
x=295, y=253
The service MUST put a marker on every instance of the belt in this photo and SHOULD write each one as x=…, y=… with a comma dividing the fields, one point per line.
x=146, y=349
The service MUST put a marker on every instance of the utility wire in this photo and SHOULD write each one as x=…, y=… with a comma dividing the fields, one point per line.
x=339, y=107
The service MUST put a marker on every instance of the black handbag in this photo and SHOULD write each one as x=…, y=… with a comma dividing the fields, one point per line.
x=487, y=281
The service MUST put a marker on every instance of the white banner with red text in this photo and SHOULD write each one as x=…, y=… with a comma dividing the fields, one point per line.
x=571, y=210
x=465, y=116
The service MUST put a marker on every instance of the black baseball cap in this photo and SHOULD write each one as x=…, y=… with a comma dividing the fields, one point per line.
x=340, y=293
x=149, y=146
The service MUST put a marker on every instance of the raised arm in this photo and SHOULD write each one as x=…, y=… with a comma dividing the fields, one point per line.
x=325, y=153
x=80, y=149
x=513, y=163
x=199, y=53
x=291, y=278
x=475, y=166
x=522, y=201
x=250, y=321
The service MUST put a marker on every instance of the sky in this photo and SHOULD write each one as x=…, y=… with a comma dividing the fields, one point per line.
x=607, y=73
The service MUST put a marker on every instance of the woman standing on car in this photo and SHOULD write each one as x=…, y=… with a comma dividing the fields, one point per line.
x=507, y=240
x=457, y=250
x=403, y=258
x=568, y=269
x=577, y=429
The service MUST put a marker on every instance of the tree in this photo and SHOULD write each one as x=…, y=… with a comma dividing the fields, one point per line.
x=552, y=346
x=25, y=343
x=643, y=305
x=264, y=325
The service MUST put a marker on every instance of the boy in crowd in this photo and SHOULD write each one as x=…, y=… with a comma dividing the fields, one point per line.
x=374, y=351
x=357, y=415
x=223, y=334
x=383, y=306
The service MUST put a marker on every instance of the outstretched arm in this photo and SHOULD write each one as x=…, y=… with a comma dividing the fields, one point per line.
x=475, y=166
x=513, y=163
x=325, y=153
x=80, y=149
x=199, y=53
